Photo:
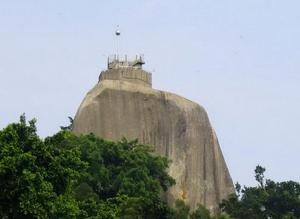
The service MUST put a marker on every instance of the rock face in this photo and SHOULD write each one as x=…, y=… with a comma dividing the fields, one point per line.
x=123, y=104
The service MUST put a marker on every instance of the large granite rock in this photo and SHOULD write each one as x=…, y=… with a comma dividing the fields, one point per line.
x=123, y=104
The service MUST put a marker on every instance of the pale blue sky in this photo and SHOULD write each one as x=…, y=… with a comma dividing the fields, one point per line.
x=238, y=59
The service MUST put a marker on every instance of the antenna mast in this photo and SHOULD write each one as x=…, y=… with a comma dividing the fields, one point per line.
x=118, y=33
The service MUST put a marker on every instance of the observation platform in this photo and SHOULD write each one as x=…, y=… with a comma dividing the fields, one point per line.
x=117, y=62
x=126, y=70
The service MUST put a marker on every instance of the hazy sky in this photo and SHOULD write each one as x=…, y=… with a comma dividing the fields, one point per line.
x=238, y=59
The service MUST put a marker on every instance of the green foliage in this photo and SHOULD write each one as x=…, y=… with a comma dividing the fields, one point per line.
x=122, y=169
x=36, y=177
x=259, y=175
x=201, y=213
x=181, y=210
x=276, y=200
x=70, y=126
x=68, y=176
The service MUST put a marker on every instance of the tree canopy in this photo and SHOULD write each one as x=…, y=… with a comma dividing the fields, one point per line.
x=276, y=200
x=68, y=176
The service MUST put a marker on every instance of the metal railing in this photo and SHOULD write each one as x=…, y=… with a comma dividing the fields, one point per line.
x=115, y=61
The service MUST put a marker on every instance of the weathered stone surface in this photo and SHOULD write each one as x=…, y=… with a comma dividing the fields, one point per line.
x=179, y=129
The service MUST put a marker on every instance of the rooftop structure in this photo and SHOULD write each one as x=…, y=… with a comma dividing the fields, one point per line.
x=117, y=62
x=126, y=70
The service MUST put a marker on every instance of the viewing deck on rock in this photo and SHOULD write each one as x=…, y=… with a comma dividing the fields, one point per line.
x=126, y=70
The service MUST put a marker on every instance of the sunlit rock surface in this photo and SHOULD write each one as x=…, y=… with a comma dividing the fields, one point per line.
x=123, y=104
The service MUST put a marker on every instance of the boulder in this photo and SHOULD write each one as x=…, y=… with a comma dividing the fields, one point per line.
x=123, y=104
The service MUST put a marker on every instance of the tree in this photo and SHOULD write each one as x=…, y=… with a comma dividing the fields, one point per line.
x=203, y=213
x=271, y=199
x=181, y=210
x=70, y=126
x=125, y=169
x=259, y=175
x=69, y=176
x=36, y=179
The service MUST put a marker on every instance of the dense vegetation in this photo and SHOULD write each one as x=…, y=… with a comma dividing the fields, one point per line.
x=68, y=176
x=276, y=200
x=65, y=176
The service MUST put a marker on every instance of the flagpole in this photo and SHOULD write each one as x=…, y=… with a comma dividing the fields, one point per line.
x=118, y=33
